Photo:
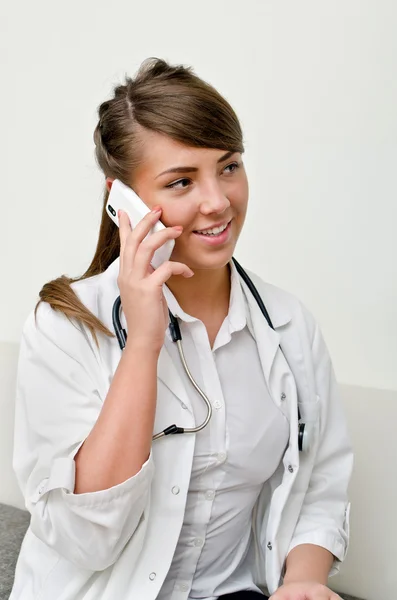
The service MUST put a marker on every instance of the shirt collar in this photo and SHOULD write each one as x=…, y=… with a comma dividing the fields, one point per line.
x=237, y=305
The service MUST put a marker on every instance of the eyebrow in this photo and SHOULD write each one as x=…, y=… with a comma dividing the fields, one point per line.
x=195, y=169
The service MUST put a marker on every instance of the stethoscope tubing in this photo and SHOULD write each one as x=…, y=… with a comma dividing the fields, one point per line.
x=176, y=336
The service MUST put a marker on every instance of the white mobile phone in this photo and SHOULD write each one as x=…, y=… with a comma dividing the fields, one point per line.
x=122, y=197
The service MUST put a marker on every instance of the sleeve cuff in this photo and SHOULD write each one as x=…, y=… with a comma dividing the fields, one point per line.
x=62, y=476
x=334, y=544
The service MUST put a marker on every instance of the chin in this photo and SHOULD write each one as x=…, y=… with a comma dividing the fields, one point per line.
x=198, y=257
x=214, y=262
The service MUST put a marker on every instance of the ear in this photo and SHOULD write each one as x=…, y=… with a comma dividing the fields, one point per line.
x=109, y=182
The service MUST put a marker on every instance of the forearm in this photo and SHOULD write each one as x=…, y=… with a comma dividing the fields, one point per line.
x=120, y=442
x=308, y=562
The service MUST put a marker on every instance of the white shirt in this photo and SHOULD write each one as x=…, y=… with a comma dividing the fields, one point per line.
x=234, y=454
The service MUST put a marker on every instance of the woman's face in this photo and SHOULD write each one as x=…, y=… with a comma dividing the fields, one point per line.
x=198, y=188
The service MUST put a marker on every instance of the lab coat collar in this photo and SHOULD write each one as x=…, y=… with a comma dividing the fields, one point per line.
x=237, y=309
x=274, y=300
x=108, y=291
x=268, y=340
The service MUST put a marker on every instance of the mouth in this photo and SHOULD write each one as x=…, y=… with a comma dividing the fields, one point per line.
x=213, y=231
x=215, y=236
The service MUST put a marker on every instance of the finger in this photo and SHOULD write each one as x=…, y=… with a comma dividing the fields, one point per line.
x=167, y=270
x=148, y=247
x=145, y=225
x=138, y=234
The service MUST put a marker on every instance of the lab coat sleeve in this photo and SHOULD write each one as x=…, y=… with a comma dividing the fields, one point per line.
x=59, y=397
x=324, y=517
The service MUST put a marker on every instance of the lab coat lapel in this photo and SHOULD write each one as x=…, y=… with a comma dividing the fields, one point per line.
x=168, y=374
x=267, y=339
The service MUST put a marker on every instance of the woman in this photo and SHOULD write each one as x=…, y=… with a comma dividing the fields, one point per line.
x=234, y=510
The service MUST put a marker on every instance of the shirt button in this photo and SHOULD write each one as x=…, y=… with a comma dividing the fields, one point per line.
x=217, y=405
x=269, y=545
x=175, y=490
x=152, y=576
x=290, y=468
x=221, y=456
x=283, y=396
x=209, y=495
x=183, y=405
x=199, y=542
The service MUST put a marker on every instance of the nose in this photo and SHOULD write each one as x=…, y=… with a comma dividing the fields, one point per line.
x=214, y=200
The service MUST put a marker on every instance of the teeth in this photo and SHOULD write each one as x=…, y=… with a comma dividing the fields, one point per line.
x=214, y=230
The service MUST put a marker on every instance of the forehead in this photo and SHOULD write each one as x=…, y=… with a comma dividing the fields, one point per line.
x=160, y=152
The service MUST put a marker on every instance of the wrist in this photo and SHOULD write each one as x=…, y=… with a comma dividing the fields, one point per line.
x=308, y=562
x=305, y=578
x=140, y=349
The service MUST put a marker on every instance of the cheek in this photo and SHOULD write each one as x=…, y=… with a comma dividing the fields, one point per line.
x=239, y=196
x=242, y=204
x=178, y=213
x=240, y=201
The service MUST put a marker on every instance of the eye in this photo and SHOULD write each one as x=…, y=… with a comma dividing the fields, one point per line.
x=231, y=168
x=178, y=185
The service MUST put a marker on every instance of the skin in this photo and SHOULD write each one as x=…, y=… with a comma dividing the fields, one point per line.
x=211, y=188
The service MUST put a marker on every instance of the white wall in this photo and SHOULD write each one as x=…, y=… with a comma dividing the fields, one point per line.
x=315, y=86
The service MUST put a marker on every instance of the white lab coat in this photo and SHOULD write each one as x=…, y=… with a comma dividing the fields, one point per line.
x=119, y=543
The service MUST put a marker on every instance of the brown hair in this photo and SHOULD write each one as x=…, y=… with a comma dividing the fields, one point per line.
x=166, y=99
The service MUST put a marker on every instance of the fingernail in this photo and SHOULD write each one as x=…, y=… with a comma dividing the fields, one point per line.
x=156, y=209
x=178, y=228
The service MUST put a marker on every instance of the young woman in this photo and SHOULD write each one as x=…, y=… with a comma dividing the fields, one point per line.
x=234, y=510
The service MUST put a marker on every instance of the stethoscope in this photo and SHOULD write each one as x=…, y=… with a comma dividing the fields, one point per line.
x=305, y=434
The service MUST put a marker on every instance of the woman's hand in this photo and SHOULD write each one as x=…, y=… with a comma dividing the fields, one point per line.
x=140, y=285
x=304, y=590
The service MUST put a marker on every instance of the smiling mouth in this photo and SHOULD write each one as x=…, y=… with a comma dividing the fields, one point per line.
x=213, y=231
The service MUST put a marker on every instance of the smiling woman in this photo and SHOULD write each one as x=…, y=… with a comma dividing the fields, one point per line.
x=230, y=510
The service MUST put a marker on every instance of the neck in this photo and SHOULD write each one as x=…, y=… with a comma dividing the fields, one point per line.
x=208, y=290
